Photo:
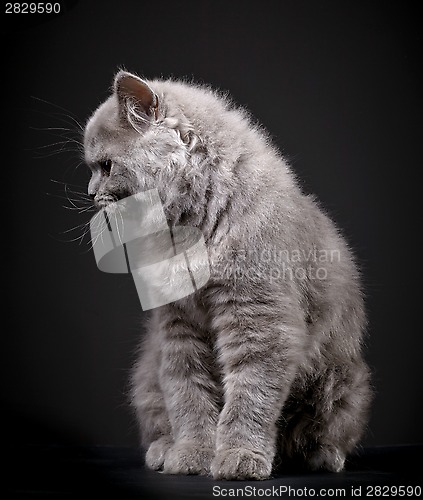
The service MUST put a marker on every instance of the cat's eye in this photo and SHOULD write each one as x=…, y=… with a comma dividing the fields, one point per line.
x=106, y=166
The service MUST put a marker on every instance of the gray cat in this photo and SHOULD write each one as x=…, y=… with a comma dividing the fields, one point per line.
x=262, y=366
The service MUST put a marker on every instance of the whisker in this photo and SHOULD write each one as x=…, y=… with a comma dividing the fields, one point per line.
x=117, y=227
x=67, y=183
x=82, y=162
x=100, y=234
x=89, y=208
x=54, y=128
x=80, y=238
x=67, y=198
x=68, y=113
x=84, y=234
x=54, y=153
x=60, y=117
x=75, y=228
x=70, y=200
x=45, y=146
x=82, y=194
x=79, y=210
x=66, y=139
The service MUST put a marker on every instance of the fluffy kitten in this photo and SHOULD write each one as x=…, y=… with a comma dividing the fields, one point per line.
x=265, y=360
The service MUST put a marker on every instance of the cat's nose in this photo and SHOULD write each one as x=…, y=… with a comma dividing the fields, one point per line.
x=91, y=195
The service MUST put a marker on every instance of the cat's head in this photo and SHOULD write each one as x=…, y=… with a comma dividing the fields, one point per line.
x=131, y=145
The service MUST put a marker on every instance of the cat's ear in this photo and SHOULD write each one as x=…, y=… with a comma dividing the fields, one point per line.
x=138, y=104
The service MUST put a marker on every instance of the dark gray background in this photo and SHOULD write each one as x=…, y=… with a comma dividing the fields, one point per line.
x=337, y=84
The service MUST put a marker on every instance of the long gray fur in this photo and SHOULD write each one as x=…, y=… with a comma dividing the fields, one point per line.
x=263, y=365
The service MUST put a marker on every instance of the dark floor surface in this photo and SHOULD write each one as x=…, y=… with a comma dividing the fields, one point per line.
x=108, y=472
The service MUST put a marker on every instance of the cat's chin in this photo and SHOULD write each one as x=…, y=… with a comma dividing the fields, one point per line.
x=106, y=202
x=112, y=205
x=112, y=202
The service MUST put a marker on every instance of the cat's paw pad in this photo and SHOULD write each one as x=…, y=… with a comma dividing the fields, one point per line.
x=188, y=458
x=327, y=458
x=240, y=463
x=155, y=456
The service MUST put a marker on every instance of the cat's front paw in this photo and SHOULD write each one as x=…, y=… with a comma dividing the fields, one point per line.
x=155, y=456
x=188, y=458
x=240, y=463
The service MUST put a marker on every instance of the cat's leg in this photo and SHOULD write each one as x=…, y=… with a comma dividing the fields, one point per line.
x=342, y=411
x=328, y=427
x=191, y=393
x=260, y=345
x=148, y=400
